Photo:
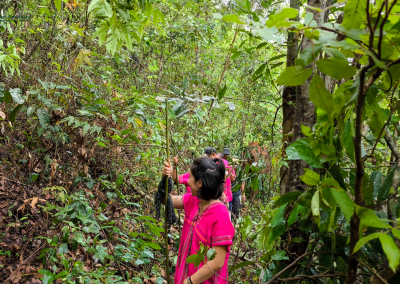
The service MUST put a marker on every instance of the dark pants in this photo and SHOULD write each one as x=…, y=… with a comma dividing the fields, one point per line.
x=236, y=203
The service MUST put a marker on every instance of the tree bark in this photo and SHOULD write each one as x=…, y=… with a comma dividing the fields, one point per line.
x=288, y=97
x=304, y=113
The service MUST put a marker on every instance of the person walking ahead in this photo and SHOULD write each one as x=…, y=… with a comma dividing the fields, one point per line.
x=206, y=222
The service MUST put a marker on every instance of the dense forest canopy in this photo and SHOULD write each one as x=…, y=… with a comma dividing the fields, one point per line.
x=96, y=94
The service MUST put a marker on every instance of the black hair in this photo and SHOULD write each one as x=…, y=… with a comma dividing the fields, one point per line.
x=212, y=174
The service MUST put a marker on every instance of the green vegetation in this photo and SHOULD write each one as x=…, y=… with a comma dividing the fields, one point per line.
x=83, y=88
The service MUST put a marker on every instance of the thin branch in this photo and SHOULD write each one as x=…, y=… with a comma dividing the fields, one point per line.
x=372, y=271
x=245, y=100
x=273, y=279
x=387, y=122
x=308, y=276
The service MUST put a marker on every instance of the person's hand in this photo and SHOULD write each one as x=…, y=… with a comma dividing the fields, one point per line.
x=223, y=196
x=175, y=161
x=167, y=169
x=244, y=198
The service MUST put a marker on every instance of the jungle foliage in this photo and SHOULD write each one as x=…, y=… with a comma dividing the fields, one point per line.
x=83, y=88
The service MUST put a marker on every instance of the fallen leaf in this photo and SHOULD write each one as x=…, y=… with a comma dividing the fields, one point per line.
x=34, y=201
x=2, y=115
x=16, y=277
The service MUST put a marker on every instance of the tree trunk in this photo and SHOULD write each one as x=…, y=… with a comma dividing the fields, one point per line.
x=288, y=97
x=304, y=113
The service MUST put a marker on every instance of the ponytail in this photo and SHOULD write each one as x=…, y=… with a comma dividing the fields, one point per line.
x=212, y=174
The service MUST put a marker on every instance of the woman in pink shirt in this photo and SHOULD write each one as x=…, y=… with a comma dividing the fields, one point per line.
x=206, y=222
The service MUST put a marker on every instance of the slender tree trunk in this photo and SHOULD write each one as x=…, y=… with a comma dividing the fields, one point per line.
x=288, y=97
x=304, y=113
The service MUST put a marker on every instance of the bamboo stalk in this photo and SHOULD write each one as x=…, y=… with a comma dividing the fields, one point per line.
x=166, y=196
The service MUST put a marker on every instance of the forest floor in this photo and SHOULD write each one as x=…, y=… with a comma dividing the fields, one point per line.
x=84, y=235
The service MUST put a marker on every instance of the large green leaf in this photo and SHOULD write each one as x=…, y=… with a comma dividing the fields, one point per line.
x=315, y=204
x=301, y=150
x=294, y=76
x=369, y=218
x=336, y=68
x=320, y=96
x=233, y=18
x=242, y=264
x=376, y=179
x=335, y=172
x=288, y=197
x=365, y=240
x=348, y=141
x=16, y=95
x=57, y=3
x=367, y=190
x=44, y=117
x=354, y=14
x=308, y=55
x=13, y=114
x=384, y=189
x=268, y=34
x=344, y=201
x=310, y=177
x=286, y=13
x=391, y=250
x=92, y=5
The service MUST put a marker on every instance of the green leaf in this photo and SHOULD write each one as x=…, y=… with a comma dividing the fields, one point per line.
x=153, y=245
x=217, y=15
x=160, y=280
x=336, y=68
x=335, y=172
x=16, y=95
x=108, y=9
x=278, y=218
x=86, y=128
x=384, y=189
x=242, y=264
x=63, y=248
x=320, y=96
x=57, y=3
x=391, y=250
x=365, y=240
x=7, y=96
x=306, y=130
x=376, y=179
x=294, y=76
x=367, y=190
x=354, y=14
x=233, y=18
x=44, y=117
x=308, y=55
x=92, y=5
x=344, y=201
x=348, y=141
x=301, y=150
x=396, y=233
x=285, y=199
x=315, y=204
x=221, y=92
x=310, y=177
x=286, y=13
x=279, y=255
x=267, y=34
x=30, y=111
x=369, y=218
x=13, y=114
x=196, y=259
